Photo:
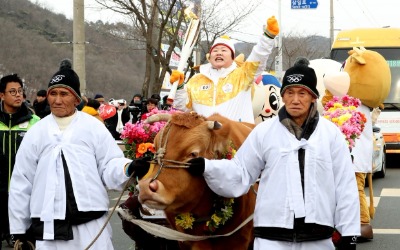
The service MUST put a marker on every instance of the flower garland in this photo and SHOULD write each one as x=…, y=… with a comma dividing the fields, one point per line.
x=223, y=210
x=229, y=152
x=342, y=111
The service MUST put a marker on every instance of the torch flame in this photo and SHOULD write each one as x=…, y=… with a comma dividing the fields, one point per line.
x=189, y=13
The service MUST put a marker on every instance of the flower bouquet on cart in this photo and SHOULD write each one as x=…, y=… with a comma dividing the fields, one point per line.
x=342, y=111
x=138, y=139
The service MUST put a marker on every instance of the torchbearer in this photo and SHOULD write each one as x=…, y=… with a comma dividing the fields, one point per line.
x=223, y=86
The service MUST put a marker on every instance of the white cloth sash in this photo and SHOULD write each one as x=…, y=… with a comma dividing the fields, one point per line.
x=294, y=187
x=55, y=190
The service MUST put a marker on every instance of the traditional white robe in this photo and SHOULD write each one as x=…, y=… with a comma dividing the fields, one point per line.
x=37, y=186
x=330, y=190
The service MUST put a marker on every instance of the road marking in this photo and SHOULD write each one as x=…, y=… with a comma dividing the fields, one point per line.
x=391, y=192
x=123, y=198
x=386, y=231
x=376, y=201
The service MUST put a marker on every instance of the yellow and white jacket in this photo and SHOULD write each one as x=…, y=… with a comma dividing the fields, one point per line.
x=226, y=91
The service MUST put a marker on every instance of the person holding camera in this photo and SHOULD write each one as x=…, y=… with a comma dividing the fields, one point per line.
x=136, y=107
x=115, y=123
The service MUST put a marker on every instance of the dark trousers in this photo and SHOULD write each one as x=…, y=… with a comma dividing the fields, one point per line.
x=4, y=224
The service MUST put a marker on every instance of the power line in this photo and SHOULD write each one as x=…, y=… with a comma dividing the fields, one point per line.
x=347, y=13
x=369, y=16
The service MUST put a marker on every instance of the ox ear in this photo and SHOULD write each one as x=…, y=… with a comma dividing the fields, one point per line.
x=214, y=125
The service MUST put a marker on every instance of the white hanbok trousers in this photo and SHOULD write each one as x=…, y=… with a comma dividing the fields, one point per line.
x=83, y=236
x=263, y=244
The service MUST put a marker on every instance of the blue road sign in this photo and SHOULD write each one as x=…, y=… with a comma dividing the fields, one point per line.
x=304, y=4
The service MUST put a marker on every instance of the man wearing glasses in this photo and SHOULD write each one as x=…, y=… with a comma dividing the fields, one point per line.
x=15, y=119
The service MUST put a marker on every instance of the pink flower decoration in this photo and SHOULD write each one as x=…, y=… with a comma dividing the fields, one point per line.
x=344, y=114
x=135, y=134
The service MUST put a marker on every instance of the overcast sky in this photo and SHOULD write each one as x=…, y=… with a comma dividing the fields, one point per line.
x=347, y=14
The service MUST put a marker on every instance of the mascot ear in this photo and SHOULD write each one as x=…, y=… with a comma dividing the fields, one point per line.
x=258, y=79
x=357, y=54
x=338, y=83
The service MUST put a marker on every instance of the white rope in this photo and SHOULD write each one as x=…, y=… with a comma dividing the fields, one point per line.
x=170, y=234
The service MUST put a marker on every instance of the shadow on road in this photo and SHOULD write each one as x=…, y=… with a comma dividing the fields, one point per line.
x=392, y=160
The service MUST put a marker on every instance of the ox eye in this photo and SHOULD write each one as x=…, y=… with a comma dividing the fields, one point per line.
x=194, y=154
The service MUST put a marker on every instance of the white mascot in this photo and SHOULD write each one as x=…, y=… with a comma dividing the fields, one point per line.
x=266, y=98
x=324, y=68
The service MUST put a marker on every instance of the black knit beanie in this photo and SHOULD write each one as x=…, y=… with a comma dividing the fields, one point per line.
x=300, y=75
x=66, y=78
x=42, y=93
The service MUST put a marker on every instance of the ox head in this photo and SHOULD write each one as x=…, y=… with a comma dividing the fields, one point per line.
x=186, y=136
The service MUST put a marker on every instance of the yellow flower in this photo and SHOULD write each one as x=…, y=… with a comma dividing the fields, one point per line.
x=219, y=217
x=337, y=105
x=216, y=219
x=184, y=220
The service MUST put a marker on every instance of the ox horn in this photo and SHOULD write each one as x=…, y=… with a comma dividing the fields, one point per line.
x=158, y=117
x=214, y=125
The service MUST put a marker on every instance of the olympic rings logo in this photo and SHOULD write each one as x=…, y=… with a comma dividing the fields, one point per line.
x=57, y=78
x=294, y=78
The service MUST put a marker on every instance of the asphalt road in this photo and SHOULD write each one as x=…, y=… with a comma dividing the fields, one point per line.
x=386, y=224
x=120, y=239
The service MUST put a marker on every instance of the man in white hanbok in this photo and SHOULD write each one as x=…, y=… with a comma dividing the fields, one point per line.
x=58, y=190
x=306, y=186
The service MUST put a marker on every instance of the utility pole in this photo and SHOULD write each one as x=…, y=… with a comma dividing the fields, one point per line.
x=197, y=12
x=278, y=58
x=332, y=22
x=79, y=42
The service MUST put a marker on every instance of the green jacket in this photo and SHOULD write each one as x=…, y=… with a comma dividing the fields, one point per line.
x=12, y=130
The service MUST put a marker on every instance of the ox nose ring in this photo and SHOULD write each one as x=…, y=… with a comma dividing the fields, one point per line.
x=158, y=172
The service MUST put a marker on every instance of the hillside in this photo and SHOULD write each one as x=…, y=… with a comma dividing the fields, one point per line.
x=27, y=47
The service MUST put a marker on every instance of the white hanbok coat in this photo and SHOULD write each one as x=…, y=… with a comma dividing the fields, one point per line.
x=330, y=195
x=37, y=186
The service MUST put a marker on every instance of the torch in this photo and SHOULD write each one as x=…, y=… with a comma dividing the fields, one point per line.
x=192, y=33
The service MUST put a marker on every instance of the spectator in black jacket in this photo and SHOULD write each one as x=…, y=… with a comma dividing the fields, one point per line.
x=136, y=107
x=15, y=119
x=40, y=105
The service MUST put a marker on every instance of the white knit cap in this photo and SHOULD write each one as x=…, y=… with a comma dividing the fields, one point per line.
x=226, y=41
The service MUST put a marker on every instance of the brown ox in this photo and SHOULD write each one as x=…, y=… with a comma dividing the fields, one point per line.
x=176, y=191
